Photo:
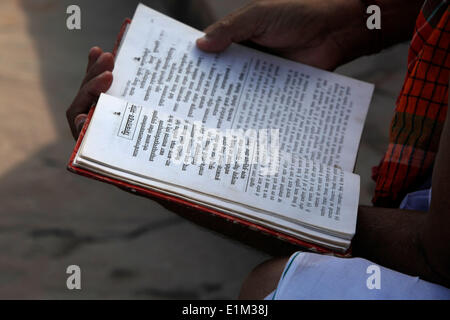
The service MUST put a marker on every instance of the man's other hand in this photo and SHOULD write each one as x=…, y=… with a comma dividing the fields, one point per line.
x=98, y=79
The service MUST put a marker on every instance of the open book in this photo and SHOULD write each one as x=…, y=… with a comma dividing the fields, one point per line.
x=259, y=138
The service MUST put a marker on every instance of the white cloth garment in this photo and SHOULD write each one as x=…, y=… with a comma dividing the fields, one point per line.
x=314, y=276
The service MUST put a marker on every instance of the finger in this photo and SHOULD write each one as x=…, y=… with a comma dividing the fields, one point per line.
x=90, y=92
x=237, y=27
x=79, y=123
x=105, y=62
x=87, y=95
x=94, y=54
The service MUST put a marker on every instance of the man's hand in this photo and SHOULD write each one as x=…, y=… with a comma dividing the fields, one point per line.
x=324, y=34
x=98, y=79
x=316, y=33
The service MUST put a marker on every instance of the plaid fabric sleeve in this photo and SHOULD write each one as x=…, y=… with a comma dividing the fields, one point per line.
x=420, y=111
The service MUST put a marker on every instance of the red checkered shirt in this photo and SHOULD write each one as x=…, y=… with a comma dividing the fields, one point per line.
x=420, y=110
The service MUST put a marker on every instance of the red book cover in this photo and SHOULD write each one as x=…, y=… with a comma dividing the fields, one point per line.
x=192, y=211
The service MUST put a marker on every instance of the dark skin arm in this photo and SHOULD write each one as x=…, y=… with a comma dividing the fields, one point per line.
x=415, y=243
x=435, y=236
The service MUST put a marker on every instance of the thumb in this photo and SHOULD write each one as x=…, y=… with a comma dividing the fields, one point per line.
x=236, y=27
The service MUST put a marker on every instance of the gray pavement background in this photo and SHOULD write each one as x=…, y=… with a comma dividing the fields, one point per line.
x=126, y=246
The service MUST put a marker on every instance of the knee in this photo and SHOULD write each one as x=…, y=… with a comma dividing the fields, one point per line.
x=263, y=279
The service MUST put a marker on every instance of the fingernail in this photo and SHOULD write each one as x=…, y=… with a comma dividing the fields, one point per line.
x=80, y=126
x=204, y=39
x=79, y=122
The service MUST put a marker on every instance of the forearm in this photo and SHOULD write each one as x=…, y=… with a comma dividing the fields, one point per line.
x=435, y=234
x=416, y=243
x=391, y=238
x=355, y=39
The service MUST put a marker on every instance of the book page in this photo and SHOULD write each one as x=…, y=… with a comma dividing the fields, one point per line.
x=243, y=212
x=155, y=145
x=319, y=115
